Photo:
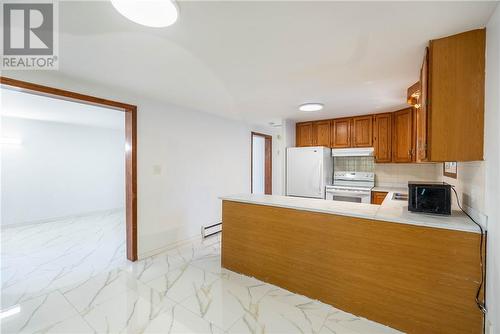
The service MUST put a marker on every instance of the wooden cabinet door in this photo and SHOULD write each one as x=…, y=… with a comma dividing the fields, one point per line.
x=321, y=133
x=378, y=197
x=304, y=134
x=362, y=135
x=402, y=136
x=341, y=133
x=456, y=97
x=421, y=112
x=382, y=137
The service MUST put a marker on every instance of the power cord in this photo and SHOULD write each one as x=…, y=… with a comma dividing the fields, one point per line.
x=479, y=303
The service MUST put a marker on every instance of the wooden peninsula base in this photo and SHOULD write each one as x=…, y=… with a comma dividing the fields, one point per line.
x=412, y=278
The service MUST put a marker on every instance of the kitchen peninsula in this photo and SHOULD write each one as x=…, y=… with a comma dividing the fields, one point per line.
x=416, y=273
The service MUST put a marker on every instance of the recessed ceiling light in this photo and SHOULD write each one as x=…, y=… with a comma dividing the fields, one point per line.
x=150, y=13
x=311, y=107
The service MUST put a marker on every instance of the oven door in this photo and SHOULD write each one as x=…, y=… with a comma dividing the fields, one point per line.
x=347, y=195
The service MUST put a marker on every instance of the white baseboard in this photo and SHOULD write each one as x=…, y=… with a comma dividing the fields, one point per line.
x=168, y=247
x=489, y=327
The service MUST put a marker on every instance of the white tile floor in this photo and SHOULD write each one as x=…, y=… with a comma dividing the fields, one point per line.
x=71, y=277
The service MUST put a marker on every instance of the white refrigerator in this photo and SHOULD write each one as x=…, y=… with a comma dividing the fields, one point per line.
x=308, y=171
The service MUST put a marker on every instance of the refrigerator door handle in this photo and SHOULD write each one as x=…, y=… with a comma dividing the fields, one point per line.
x=320, y=177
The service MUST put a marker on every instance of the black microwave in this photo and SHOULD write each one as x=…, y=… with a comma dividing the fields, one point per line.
x=429, y=197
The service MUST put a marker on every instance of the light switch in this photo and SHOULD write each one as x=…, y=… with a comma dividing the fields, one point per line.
x=156, y=170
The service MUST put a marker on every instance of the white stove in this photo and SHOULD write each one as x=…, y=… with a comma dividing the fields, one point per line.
x=351, y=187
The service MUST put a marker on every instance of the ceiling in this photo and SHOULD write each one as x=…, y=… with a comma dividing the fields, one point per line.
x=258, y=60
x=29, y=106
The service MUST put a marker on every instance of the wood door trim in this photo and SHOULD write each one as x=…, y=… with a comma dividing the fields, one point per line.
x=130, y=139
x=268, y=173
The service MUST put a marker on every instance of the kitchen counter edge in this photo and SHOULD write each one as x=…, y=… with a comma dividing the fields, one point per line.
x=390, y=211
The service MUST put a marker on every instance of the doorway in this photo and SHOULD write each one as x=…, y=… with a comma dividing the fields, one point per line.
x=261, y=164
x=130, y=145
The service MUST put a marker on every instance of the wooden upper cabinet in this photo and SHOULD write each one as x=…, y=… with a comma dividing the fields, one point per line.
x=304, y=134
x=321, y=133
x=402, y=135
x=341, y=133
x=456, y=97
x=362, y=131
x=421, y=113
x=382, y=139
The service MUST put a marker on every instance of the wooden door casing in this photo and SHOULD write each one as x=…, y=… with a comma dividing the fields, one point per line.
x=130, y=140
x=268, y=163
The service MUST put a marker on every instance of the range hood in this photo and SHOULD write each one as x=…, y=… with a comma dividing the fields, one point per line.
x=353, y=152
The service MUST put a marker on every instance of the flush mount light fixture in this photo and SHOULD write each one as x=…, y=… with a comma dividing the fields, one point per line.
x=150, y=13
x=311, y=107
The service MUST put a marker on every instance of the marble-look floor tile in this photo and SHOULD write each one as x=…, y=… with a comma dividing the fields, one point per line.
x=361, y=325
x=182, y=282
x=126, y=313
x=72, y=325
x=40, y=258
x=212, y=264
x=98, y=289
x=154, y=267
x=228, y=299
x=38, y=313
x=83, y=284
x=179, y=320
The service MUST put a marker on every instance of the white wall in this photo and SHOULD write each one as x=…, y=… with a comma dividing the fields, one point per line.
x=492, y=166
x=186, y=160
x=60, y=170
x=288, y=140
x=201, y=157
x=470, y=186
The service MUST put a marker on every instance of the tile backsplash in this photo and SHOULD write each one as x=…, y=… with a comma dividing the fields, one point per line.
x=390, y=174
x=354, y=164
x=400, y=174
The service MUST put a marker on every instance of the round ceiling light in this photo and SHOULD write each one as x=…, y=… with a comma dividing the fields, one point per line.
x=150, y=13
x=311, y=107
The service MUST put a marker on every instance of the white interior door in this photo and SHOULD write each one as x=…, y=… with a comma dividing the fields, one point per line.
x=258, y=164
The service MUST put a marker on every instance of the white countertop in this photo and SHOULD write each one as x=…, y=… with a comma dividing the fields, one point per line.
x=391, y=188
x=390, y=210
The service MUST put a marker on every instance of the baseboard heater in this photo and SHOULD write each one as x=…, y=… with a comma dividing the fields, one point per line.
x=208, y=231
